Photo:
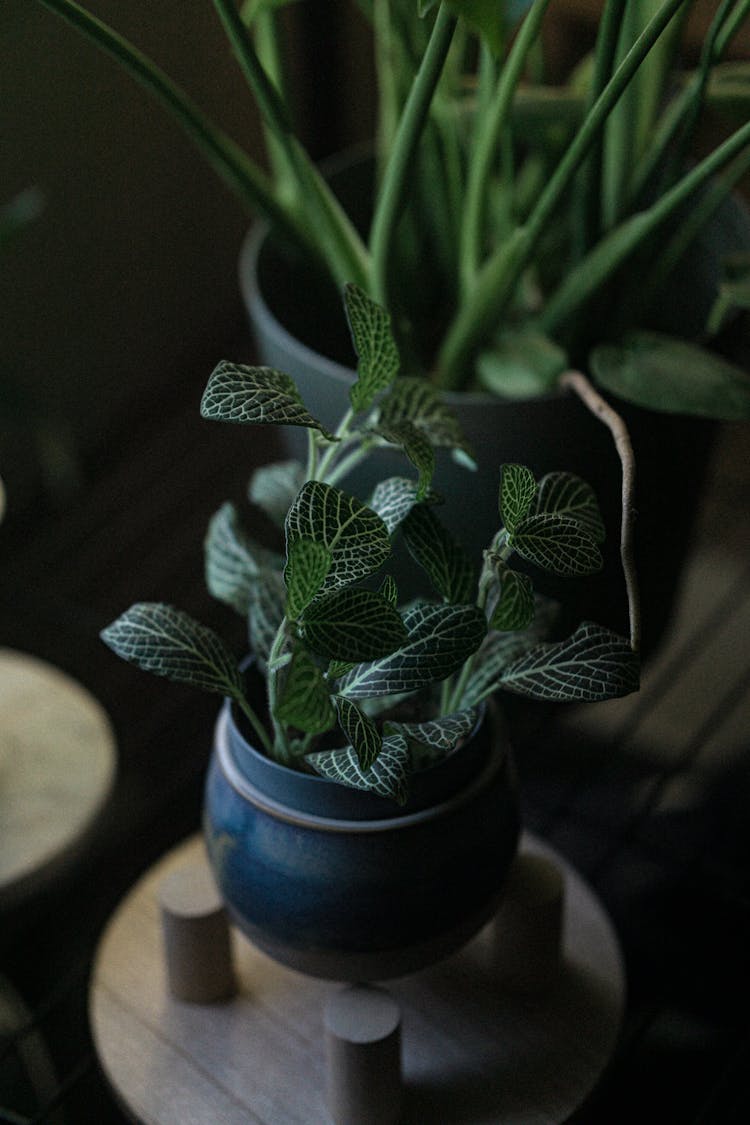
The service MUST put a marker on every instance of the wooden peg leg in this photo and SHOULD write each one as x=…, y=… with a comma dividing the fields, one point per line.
x=196, y=935
x=363, y=1056
x=528, y=925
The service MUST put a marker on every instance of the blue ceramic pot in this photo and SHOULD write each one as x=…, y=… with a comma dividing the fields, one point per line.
x=343, y=884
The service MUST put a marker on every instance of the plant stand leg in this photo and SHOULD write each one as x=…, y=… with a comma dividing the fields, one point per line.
x=363, y=1056
x=529, y=924
x=195, y=930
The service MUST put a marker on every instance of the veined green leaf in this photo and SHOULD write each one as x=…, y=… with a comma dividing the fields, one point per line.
x=416, y=401
x=364, y=737
x=306, y=567
x=664, y=373
x=273, y=488
x=265, y=613
x=370, y=326
x=500, y=650
x=388, y=776
x=355, y=536
x=232, y=559
x=393, y=499
x=440, y=555
x=564, y=494
x=557, y=544
x=521, y=364
x=353, y=624
x=170, y=643
x=517, y=492
x=593, y=664
x=389, y=590
x=440, y=639
x=305, y=702
x=515, y=607
x=440, y=735
x=256, y=396
x=338, y=668
x=417, y=447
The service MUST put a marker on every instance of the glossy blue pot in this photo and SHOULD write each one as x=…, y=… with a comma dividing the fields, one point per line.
x=346, y=885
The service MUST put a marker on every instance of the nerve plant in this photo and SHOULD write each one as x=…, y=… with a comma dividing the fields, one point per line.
x=339, y=656
x=518, y=227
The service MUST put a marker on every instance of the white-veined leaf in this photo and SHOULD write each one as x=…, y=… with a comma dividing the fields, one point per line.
x=565, y=494
x=265, y=613
x=515, y=606
x=389, y=589
x=232, y=560
x=273, y=488
x=394, y=498
x=440, y=639
x=500, y=650
x=593, y=664
x=557, y=544
x=416, y=401
x=353, y=625
x=439, y=736
x=355, y=536
x=306, y=567
x=304, y=701
x=417, y=447
x=168, y=642
x=360, y=730
x=517, y=492
x=256, y=396
x=370, y=326
x=440, y=555
x=388, y=776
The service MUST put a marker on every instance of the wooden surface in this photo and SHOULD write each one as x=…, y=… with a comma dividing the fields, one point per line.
x=471, y=1054
x=57, y=765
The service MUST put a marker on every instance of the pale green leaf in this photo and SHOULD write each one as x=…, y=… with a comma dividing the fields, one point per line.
x=564, y=494
x=521, y=364
x=388, y=776
x=440, y=640
x=667, y=374
x=170, y=643
x=517, y=492
x=438, y=736
x=304, y=701
x=232, y=559
x=255, y=396
x=274, y=487
x=355, y=536
x=440, y=555
x=265, y=613
x=353, y=624
x=593, y=664
x=360, y=730
x=557, y=544
x=515, y=606
x=393, y=499
x=306, y=567
x=370, y=326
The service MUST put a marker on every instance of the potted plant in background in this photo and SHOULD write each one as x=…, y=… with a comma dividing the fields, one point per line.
x=514, y=229
x=360, y=807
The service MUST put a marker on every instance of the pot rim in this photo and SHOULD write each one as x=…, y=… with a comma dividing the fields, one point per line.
x=496, y=760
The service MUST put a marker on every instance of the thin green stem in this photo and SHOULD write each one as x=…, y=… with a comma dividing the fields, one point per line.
x=280, y=751
x=255, y=723
x=233, y=165
x=396, y=177
x=489, y=128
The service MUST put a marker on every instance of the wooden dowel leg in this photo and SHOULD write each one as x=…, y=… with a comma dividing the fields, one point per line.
x=529, y=925
x=363, y=1056
x=195, y=928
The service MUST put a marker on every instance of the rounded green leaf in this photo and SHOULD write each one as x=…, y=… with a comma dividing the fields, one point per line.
x=517, y=492
x=440, y=555
x=388, y=776
x=353, y=625
x=558, y=545
x=360, y=731
x=370, y=326
x=304, y=701
x=515, y=606
x=521, y=364
x=565, y=494
x=306, y=567
x=593, y=664
x=255, y=396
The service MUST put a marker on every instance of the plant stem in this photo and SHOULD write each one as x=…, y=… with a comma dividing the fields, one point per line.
x=233, y=165
x=255, y=723
x=280, y=750
x=580, y=385
x=496, y=282
x=489, y=128
x=395, y=179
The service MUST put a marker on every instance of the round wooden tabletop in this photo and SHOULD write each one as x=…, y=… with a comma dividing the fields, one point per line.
x=473, y=1054
x=57, y=767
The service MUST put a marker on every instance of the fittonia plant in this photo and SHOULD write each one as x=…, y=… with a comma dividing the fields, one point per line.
x=337, y=652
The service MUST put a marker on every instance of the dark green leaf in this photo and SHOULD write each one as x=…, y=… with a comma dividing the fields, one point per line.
x=388, y=776
x=255, y=396
x=515, y=607
x=500, y=650
x=232, y=559
x=440, y=555
x=265, y=613
x=593, y=664
x=306, y=567
x=517, y=492
x=360, y=730
x=274, y=487
x=557, y=544
x=440, y=640
x=521, y=364
x=305, y=702
x=663, y=373
x=564, y=494
x=353, y=625
x=389, y=590
x=417, y=447
x=170, y=643
x=416, y=401
x=376, y=350
x=355, y=536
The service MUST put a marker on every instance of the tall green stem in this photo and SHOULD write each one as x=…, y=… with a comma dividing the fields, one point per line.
x=395, y=179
